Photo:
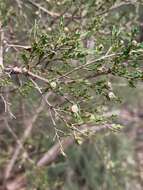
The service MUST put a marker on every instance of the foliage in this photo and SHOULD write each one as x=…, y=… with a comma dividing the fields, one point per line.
x=69, y=55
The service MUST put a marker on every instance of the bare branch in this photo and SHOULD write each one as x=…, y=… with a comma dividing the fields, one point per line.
x=1, y=47
x=27, y=132
x=50, y=13
x=26, y=72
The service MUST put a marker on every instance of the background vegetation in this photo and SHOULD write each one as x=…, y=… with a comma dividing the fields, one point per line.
x=71, y=94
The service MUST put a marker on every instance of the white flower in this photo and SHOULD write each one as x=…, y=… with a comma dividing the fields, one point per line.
x=134, y=42
x=111, y=95
x=122, y=42
x=49, y=29
x=66, y=29
x=53, y=84
x=74, y=108
x=102, y=69
x=109, y=84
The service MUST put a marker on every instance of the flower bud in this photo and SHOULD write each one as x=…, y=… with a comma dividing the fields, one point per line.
x=74, y=108
x=53, y=84
x=111, y=95
x=134, y=42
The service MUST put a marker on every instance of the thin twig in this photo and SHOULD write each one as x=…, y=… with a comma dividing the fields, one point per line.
x=1, y=47
x=27, y=132
x=53, y=153
x=50, y=13
x=20, y=144
x=87, y=64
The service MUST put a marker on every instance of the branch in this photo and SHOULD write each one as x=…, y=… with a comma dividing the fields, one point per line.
x=87, y=64
x=27, y=132
x=1, y=47
x=50, y=13
x=26, y=72
x=55, y=151
x=117, y=6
